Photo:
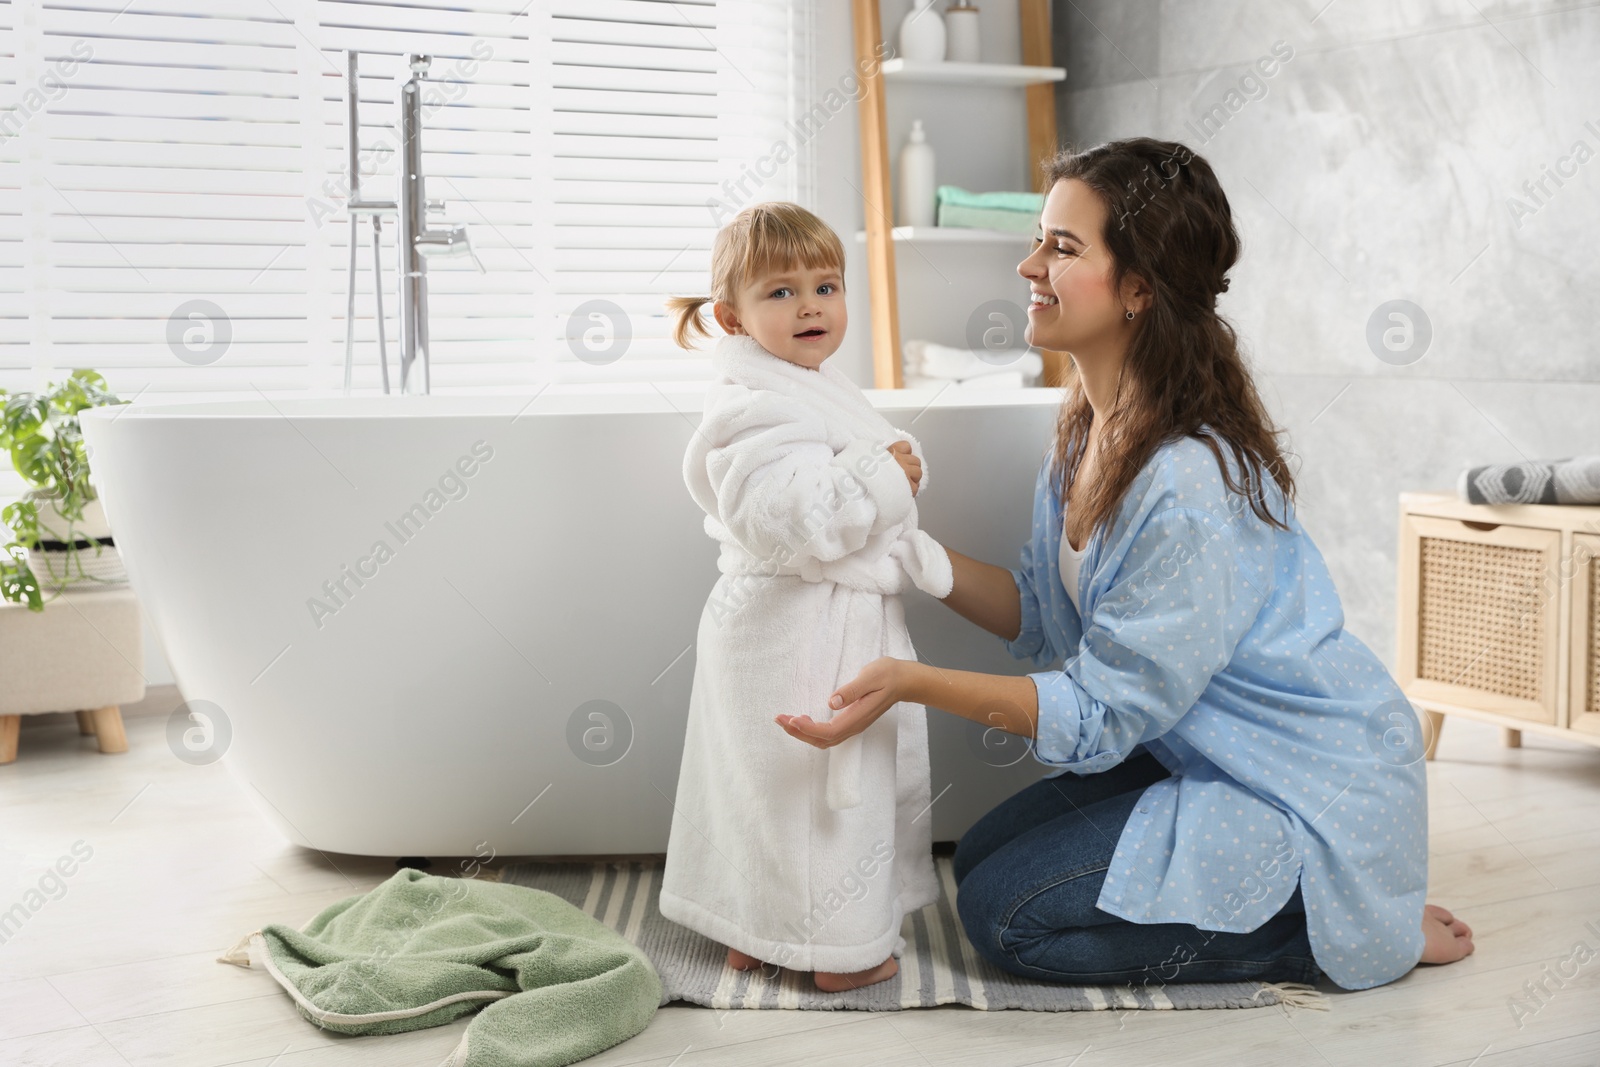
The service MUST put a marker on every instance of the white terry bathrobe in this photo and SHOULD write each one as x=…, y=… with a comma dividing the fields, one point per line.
x=802, y=857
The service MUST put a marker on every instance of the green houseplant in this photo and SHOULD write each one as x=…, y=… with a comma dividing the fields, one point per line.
x=41, y=434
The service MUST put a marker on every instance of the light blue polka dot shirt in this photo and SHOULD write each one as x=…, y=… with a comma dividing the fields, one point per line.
x=1216, y=642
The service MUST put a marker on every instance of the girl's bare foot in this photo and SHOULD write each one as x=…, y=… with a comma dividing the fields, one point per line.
x=740, y=962
x=829, y=982
x=1448, y=938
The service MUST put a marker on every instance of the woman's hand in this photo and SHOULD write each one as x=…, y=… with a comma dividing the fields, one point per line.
x=901, y=451
x=878, y=687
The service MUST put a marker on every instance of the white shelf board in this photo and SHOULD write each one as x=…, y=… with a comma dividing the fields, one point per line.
x=970, y=73
x=952, y=234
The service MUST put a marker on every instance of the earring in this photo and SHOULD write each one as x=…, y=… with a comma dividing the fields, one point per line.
x=1130, y=315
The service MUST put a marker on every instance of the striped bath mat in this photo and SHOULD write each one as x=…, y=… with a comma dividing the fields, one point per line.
x=939, y=965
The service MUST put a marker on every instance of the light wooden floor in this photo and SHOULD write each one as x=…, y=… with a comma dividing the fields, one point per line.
x=119, y=969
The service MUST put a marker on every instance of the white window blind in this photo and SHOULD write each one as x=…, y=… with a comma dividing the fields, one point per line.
x=164, y=152
x=15, y=360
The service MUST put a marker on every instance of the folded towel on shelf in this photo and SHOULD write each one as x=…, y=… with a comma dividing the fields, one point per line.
x=550, y=984
x=1013, y=212
x=925, y=359
x=1028, y=203
x=1574, y=480
x=976, y=218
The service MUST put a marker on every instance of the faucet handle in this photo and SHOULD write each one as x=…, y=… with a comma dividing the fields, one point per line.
x=455, y=241
x=466, y=240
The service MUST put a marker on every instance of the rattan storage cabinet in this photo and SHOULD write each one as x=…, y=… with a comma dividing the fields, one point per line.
x=1500, y=615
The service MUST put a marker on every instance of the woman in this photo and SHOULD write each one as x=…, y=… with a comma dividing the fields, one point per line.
x=1247, y=797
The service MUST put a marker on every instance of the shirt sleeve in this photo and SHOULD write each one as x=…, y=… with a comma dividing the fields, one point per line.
x=1178, y=606
x=786, y=495
x=1033, y=641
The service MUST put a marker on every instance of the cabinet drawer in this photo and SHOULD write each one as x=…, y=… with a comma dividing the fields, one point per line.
x=1583, y=569
x=1480, y=622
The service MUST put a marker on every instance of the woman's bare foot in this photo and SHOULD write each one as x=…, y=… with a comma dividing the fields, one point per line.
x=829, y=982
x=1447, y=938
x=740, y=962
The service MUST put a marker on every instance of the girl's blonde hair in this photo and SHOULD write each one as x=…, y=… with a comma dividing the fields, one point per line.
x=774, y=235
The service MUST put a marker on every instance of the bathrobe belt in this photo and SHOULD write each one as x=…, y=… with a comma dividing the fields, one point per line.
x=912, y=554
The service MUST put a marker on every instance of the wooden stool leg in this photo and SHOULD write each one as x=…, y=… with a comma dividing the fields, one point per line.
x=85, y=723
x=9, y=725
x=1436, y=726
x=108, y=726
x=1513, y=737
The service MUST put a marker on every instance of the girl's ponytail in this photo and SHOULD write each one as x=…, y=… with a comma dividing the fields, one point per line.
x=685, y=311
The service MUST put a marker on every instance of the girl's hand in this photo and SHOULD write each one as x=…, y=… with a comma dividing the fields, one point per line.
x=901, y=451
x=862, y=700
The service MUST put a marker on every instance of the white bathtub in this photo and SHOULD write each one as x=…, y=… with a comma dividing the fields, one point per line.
x=446, y=701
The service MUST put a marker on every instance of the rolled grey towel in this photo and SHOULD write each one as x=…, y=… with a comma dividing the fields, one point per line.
x=1575, y=480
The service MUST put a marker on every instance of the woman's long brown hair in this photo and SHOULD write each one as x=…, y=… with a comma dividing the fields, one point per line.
x=1168, y=222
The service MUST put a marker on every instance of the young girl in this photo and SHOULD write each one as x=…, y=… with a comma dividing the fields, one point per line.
x=789, y=855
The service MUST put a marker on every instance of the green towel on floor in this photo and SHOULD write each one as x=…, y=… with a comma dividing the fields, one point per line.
x=420, y=950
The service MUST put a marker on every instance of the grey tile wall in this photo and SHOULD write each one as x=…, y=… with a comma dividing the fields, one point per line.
x=1444, y=153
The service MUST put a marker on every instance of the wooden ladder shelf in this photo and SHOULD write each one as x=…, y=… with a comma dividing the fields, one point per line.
x=1034, y=18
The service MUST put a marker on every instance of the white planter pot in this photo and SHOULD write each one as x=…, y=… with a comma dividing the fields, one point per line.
x=96, y=561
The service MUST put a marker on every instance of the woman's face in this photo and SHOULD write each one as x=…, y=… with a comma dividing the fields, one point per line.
x=1074, y=308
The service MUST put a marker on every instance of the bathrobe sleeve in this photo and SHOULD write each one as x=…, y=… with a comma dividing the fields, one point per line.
x=1180, y=601
x=779, y=488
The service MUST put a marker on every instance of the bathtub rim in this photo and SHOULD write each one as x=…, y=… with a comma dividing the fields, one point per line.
x=572, y=399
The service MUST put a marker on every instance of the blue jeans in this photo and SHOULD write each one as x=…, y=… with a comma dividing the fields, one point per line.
x=1029, y=872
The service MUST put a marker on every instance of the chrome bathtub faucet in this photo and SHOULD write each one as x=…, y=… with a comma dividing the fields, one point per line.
x=416, y=242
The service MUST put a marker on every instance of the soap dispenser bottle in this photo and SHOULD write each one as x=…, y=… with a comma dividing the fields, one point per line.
x=922, y=34
x=915, y=204
x=961, y=33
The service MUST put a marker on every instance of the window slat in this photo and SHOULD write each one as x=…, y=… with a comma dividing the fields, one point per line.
x=199, y=154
